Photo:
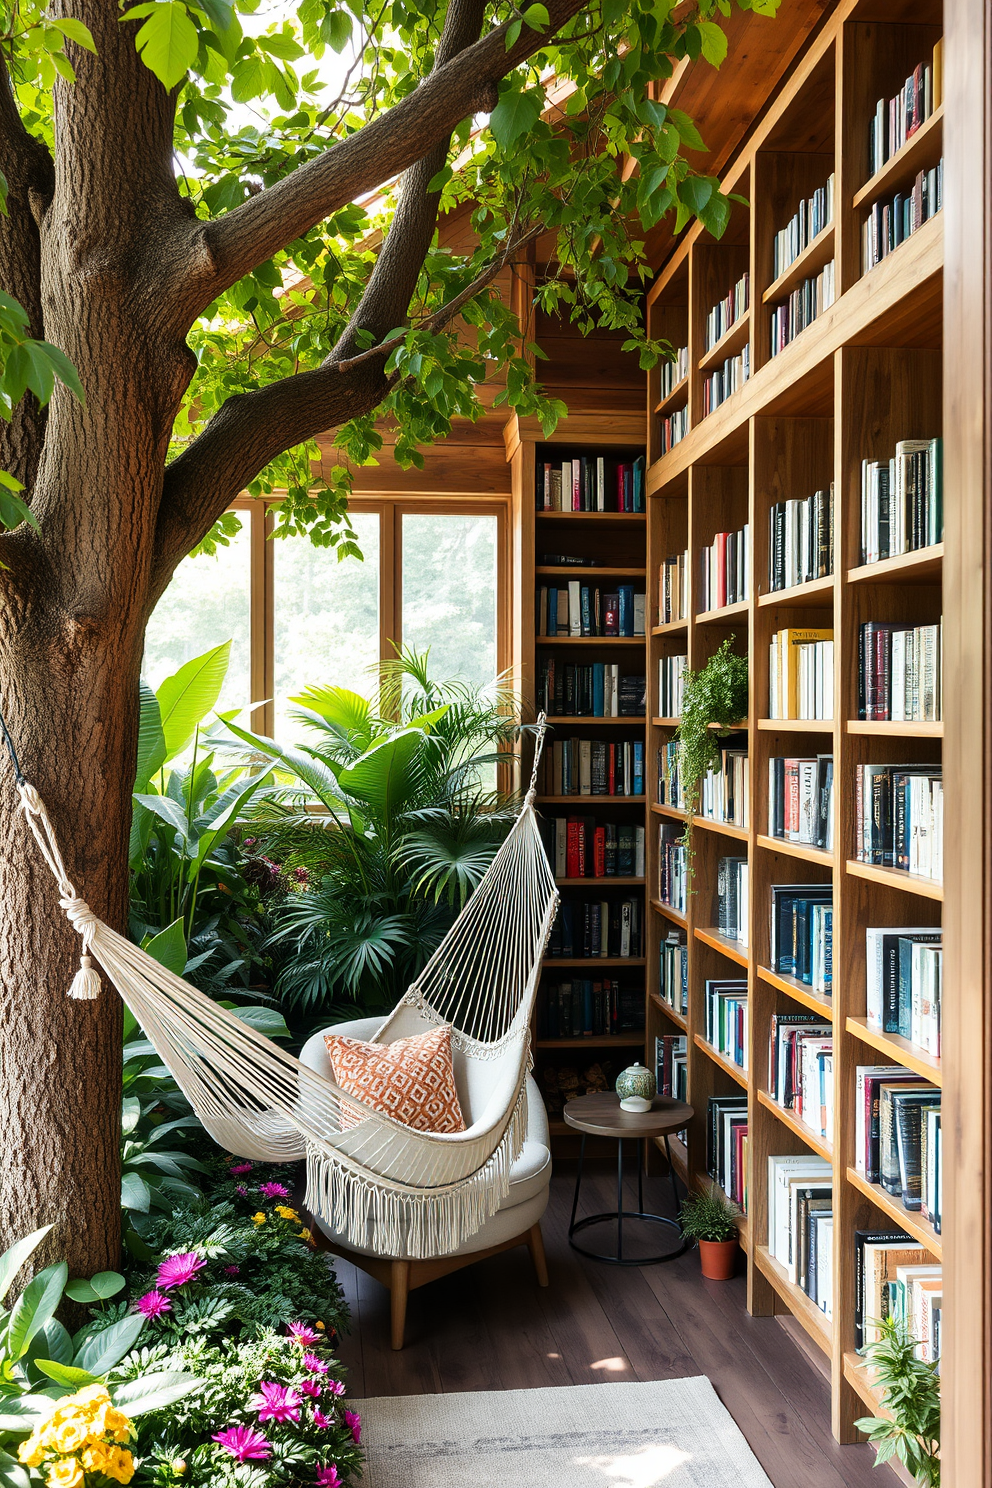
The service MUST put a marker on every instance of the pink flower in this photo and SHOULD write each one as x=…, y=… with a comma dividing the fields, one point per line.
x=336, y=1387
x=153, y=1304
x=239, y=1168
x=232, y=1270
x=327, y=1477
x=303, y=1334
x=302, y=875
x=177, y=1270
x=244, y=1443
x=240, y=1190
x=311, y=1388
x=320, y=1420
x=314, y=1365
x=354, y=1422
x=275, y=1402
x=273, y=1191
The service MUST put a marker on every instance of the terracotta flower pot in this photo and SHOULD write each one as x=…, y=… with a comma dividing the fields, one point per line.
x=718, y=1258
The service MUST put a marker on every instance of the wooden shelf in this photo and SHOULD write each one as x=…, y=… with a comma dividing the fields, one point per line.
x=599, y=720
x=819, y=1144
x=910, y=1220
x=804, y=850
x=733, y=340
x=585, y=801
x=542, y=640
x=815, y=589
x=813, y=257
x=594, y=1041
x=888, y=728
x=898, y=878
x=899, y=1049
x=923, y=566
x=796, y=725
x=591, y=961
x=675, y=398
x=675, y=812
x=724, y=945
x=856, y=1375
x=669, y=913
x=610, y=880
x=605, y=519
x=574, y=571
x=669, y=1012
x=723, y=614
x=816, y=1323
x=906, y=163
x=725, y=829
x=727, y=1065
x=798, y=991
x=666, y=722
x=670, y=627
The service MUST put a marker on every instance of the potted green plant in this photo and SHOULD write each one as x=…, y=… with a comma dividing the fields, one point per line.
x=910, y=1395
x=708, y=1217
x=714, y=700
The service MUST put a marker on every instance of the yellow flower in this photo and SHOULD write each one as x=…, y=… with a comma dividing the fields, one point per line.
x=285, y=1213
x=319, y=1326
x=258, y=1218
x=306, y=1236
x=112, y=1423
x=31, y=1452
x=65, y=1474
x=113, y=1462
x=69, y=1436
x=89, y=1395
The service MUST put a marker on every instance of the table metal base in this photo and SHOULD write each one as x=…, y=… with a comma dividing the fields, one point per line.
x=617, y=1258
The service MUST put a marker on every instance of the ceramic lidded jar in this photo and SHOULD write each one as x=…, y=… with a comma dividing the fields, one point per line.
x=636, y=1088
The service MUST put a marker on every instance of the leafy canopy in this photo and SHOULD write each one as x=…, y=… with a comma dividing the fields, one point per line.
x=259, y=95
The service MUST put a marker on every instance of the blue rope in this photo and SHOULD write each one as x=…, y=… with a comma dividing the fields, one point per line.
x=8, y=741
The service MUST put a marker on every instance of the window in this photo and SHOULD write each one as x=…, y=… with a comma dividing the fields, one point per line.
x=433, y=575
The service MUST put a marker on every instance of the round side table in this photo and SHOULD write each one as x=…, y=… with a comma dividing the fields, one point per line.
x=601, y=1116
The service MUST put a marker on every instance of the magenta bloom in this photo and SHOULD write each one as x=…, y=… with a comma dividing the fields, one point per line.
x=303, y=1334
x=354, y=1422
x=314, y=1364
x=275, y=1402
x=240, y=1190
x=302, y=875
x=232, y=1270
x=177, y=1270
x=320, y=1420
x=153, y=1304
x=327, y=1477
x=244, y=1443
x=336, y=1387
x=273, y=1191
x=239, y=1168
x=311, y=1388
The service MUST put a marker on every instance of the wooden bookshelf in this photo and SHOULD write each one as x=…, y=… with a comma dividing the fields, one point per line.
x=865, y=374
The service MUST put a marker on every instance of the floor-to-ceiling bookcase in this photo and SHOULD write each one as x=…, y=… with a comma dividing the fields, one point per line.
x=863, y=375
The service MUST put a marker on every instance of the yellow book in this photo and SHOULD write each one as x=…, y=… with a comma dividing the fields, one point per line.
x=789, y=643
x=938, y=73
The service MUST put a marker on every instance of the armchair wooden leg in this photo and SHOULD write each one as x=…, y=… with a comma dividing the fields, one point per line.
x=535, y=1244
x=399, y=1290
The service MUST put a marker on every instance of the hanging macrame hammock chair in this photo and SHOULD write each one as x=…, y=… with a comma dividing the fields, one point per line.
x=378, y=1183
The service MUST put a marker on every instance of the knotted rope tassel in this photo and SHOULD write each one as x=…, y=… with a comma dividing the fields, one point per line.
x=86, y=983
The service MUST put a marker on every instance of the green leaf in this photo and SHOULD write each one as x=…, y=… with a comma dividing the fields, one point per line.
x=536, y=18
x=153, y=1391
x=714, y=41
x=168, y=41
x=76, y=31
x=384, y=777
x=688, y=133
x=135, y=1193
x=35, y=1307
x=19, y=1412
x=12, y=1474
x=13, y=1259
x=696, y=191
x=108, y=1346
x=514, y=115
x=66, y=1374
x=336, y=30
x=513, y=33
x=151, y=738
x=107, y=1284
x=188, y=696
x=264, y=1020
x=168, y=947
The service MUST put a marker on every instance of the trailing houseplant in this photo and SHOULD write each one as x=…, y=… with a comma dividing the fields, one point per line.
x=714, y=700
x=707, y=1216
x=910, y=1393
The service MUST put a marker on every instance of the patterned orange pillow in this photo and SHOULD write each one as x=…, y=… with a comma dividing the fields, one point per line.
x=412, y=1079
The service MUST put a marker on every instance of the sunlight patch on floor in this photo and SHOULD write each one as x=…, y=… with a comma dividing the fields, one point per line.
x=616, y=1365
x=644, y=1468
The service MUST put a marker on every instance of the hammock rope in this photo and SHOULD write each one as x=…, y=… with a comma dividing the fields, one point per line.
x=380, y=1184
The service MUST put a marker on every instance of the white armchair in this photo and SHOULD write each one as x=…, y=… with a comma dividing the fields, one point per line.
x=516, y=1222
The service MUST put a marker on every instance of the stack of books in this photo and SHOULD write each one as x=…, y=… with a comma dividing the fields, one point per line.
x=581, y=1008
x=597, y=690
x=578, y=609
x=726, y=1145
x=669, y=788
x=597, y=927
x=674, y=428
x=801, y=540
x=811, y=217
x=584, y=847
x=671, y=682
x=726, y=379
x=804, y=304
x=732, y=898
x=899, y=818
x=899, y=671
x=801, y=674
x=897, y=119
x=725, y=570
x=671, y=1064
x=800, y=1224
x=801, y=800
x=904, y=969
x=728, y=311
x=725, y=1027
x=723, y=791
x=894, y=1276
x=801, y=1069
x=890, y=223
x=672, y=372
x=902, y=500
x=802, y=933
x=673, y=588
x=592, y=767
x=897, y=1135
x=672, y=867
x=673, y=971
x=591, y=483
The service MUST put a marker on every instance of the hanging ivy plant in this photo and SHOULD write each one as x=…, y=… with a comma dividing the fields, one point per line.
x=714, y=700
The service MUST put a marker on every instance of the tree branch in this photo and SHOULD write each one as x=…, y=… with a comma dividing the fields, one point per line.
x=235, y=244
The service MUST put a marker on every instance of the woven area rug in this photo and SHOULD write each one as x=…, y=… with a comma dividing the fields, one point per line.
x=662, y=1434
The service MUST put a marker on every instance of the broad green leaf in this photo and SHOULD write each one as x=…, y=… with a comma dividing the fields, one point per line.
x=52, y=1342
x=514, y=115
x=344, y=710
x=107, y=1284
x=384, y=775
x=153, y=1391
x=536, y=17
x=312, y=772
x=167, y=810
x=714, y=41
x=66, y=1374
x=168, y=41
x=223, y=814
x=168, y=948
x=13, y=1259
x=107, y=1347
x=188, y=696
x=135, y=1193
x=151, y=738
x=264, y=1020
x=12, y=1474
x=20, y=1412
x=14, y=511
x=130, y=1114
x=35, y=1307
